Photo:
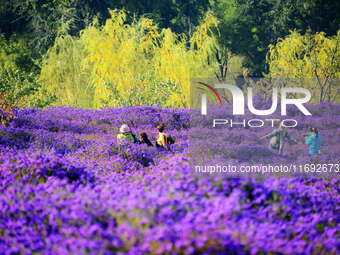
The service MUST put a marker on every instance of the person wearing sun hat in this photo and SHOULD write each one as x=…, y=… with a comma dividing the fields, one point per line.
x=126, y=135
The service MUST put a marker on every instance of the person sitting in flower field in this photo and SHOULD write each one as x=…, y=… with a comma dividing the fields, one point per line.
x=277, y=139
x=143, y=138
x=314, y=141
x=126, y=135
x=163, y=140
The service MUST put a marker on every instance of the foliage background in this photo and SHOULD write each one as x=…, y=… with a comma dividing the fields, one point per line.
x=111, y=53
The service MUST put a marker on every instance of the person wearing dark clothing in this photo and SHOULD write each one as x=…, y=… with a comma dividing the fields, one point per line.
x=143, y=138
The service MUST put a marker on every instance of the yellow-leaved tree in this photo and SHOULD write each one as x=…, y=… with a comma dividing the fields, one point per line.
x=313, y=59
x=139, y=64
x=63, y=75
x=122, y=64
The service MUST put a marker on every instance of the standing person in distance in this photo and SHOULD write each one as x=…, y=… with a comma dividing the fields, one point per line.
x=314, y=141
x=277, y=139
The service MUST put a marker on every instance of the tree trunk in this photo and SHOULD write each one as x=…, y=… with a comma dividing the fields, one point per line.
x=189, y=27
x=321, y=95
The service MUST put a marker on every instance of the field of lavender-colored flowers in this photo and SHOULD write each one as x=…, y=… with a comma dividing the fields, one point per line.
x=67, y=187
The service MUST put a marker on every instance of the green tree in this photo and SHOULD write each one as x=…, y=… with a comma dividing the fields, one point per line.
x=248, y=27
x=245, y=30
x=18, y=72
x=42, y=21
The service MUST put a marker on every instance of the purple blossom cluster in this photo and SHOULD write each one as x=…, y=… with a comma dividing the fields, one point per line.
x=68, y=187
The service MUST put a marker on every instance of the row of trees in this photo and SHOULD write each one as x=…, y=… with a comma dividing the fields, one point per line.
x=247, y=27
x=41, y=21
x=79, y=53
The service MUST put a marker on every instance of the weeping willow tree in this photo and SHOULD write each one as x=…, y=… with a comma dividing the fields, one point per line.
x=63, y=74
x=311, y=59
x=176, y=63
x=122, y=64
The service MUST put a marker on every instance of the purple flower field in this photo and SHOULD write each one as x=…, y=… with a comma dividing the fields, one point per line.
x=67, y=187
